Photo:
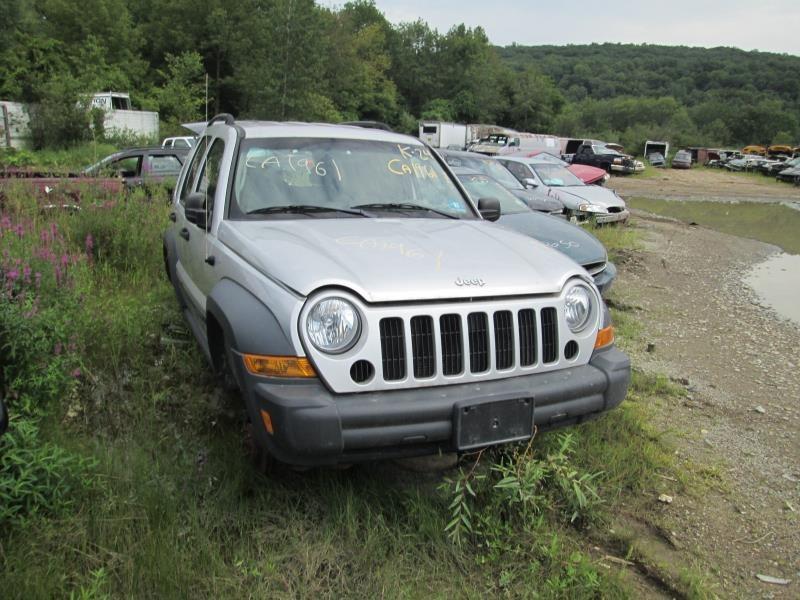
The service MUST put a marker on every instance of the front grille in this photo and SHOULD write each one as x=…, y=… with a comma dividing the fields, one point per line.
x=393, y=349
x=478, y=343
x=615, y=209
x=549, y=335
x=595, y=268
x=423, y=347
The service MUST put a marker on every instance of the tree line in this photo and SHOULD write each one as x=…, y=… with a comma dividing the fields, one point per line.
x=296, y=60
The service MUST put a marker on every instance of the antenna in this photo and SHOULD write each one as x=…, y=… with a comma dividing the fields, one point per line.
x=205, y=151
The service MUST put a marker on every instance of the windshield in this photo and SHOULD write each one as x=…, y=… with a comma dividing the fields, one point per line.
x=340, y=175
x=487, y=166
x=606, y=150
x=481, y=186
x=555, y=175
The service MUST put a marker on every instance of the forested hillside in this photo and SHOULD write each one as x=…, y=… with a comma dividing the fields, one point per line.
x=293, y=59
x=697, y=95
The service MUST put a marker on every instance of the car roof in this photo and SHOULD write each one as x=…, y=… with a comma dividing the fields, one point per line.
x=464, y=154
x=267, y=129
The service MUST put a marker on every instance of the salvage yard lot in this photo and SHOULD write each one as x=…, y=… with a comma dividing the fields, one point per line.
x=168, y=504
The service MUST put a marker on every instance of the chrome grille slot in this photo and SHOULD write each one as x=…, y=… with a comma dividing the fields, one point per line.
x=503, y=339
x=393, y=349
x=549, y=335
x=423, y=347
x=527, y=337
x=478, y=342
x=452, y=346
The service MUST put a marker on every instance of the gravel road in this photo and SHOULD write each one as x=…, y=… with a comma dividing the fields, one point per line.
x=740, y=420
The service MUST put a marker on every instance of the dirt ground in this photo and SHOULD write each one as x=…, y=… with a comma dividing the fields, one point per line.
x=706, y=184
x=739, y=423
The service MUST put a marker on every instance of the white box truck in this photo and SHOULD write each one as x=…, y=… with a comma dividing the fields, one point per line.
x=443, y=135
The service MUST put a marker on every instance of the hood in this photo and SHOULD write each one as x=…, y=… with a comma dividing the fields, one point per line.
x=573, y=241
x=538, y=200
x=586, y=173
x=396, y=260
x=573, y=195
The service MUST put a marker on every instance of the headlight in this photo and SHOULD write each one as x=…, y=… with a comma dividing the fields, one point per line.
x=591, y=208
x=333, y=325
x=578, y=307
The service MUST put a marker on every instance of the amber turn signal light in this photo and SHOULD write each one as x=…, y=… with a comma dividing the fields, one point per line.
x=267, y=422
x=605, y=337
x=279, y=366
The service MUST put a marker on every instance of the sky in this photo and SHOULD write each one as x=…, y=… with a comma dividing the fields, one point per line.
x=768, y=25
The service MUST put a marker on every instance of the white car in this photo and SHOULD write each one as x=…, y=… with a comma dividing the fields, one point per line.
x=185, y=141
x=581, y=202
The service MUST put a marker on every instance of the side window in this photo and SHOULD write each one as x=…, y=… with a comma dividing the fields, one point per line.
x=165, y=164
x=207, y=185
x=126, y=167
x=518, y=170
x=193, y=168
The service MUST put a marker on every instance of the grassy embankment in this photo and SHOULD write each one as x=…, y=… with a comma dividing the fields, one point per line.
x=771, y=223
x=124, y=472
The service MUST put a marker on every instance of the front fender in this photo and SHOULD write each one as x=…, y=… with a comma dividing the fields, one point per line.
x=250, y=327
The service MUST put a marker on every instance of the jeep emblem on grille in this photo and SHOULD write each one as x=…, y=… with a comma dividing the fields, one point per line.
x=473, y=281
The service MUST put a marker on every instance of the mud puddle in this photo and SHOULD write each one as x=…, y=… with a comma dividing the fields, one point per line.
x=776, y=281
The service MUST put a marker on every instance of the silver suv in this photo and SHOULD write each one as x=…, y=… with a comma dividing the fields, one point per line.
x=342, y=279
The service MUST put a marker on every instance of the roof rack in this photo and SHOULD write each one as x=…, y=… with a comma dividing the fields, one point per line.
x=227, y=118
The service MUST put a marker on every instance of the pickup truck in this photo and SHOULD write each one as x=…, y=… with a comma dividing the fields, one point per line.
x=343, y=281
x=597, y=154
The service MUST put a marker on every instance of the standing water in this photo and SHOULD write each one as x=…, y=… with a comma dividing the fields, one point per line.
x=776, y=281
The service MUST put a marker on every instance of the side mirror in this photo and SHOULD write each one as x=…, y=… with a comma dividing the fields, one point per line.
x=195, y=210
x=489, y=208
x=530, y=182
x=3, y=417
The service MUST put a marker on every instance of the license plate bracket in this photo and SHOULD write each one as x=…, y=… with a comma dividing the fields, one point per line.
x=495, y=422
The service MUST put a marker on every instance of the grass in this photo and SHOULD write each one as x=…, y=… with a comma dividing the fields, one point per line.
x=176, y=509
x=771, y=223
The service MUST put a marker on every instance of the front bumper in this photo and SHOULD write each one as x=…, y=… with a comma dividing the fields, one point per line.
x=313, y=426
x=637, y=167
x=614, y=217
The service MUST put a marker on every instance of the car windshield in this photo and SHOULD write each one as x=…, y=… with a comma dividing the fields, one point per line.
x=549, y=158
x=606, y=150
x=480, y=186
x=555, y=175
x=313, y=177
x=487, y=166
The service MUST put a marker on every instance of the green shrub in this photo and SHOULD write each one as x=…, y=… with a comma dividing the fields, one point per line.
x=35, y=476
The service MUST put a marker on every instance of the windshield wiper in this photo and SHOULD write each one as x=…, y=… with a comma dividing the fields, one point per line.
x=405, y=206
x=303, y=209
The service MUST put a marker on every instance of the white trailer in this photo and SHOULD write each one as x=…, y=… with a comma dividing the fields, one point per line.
x=14, y=120
x=439, y=134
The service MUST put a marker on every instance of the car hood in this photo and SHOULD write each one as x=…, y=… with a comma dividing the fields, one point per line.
x=581, y=246
x=573, y=195
x=395, y=260
x=587, y=173
x=540, y=201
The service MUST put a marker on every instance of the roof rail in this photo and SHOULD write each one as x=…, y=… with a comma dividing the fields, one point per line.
x=368, y=125
x=226, y=117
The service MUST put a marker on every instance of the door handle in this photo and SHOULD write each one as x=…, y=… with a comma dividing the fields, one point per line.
x=184, y=233
x=173, y=217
